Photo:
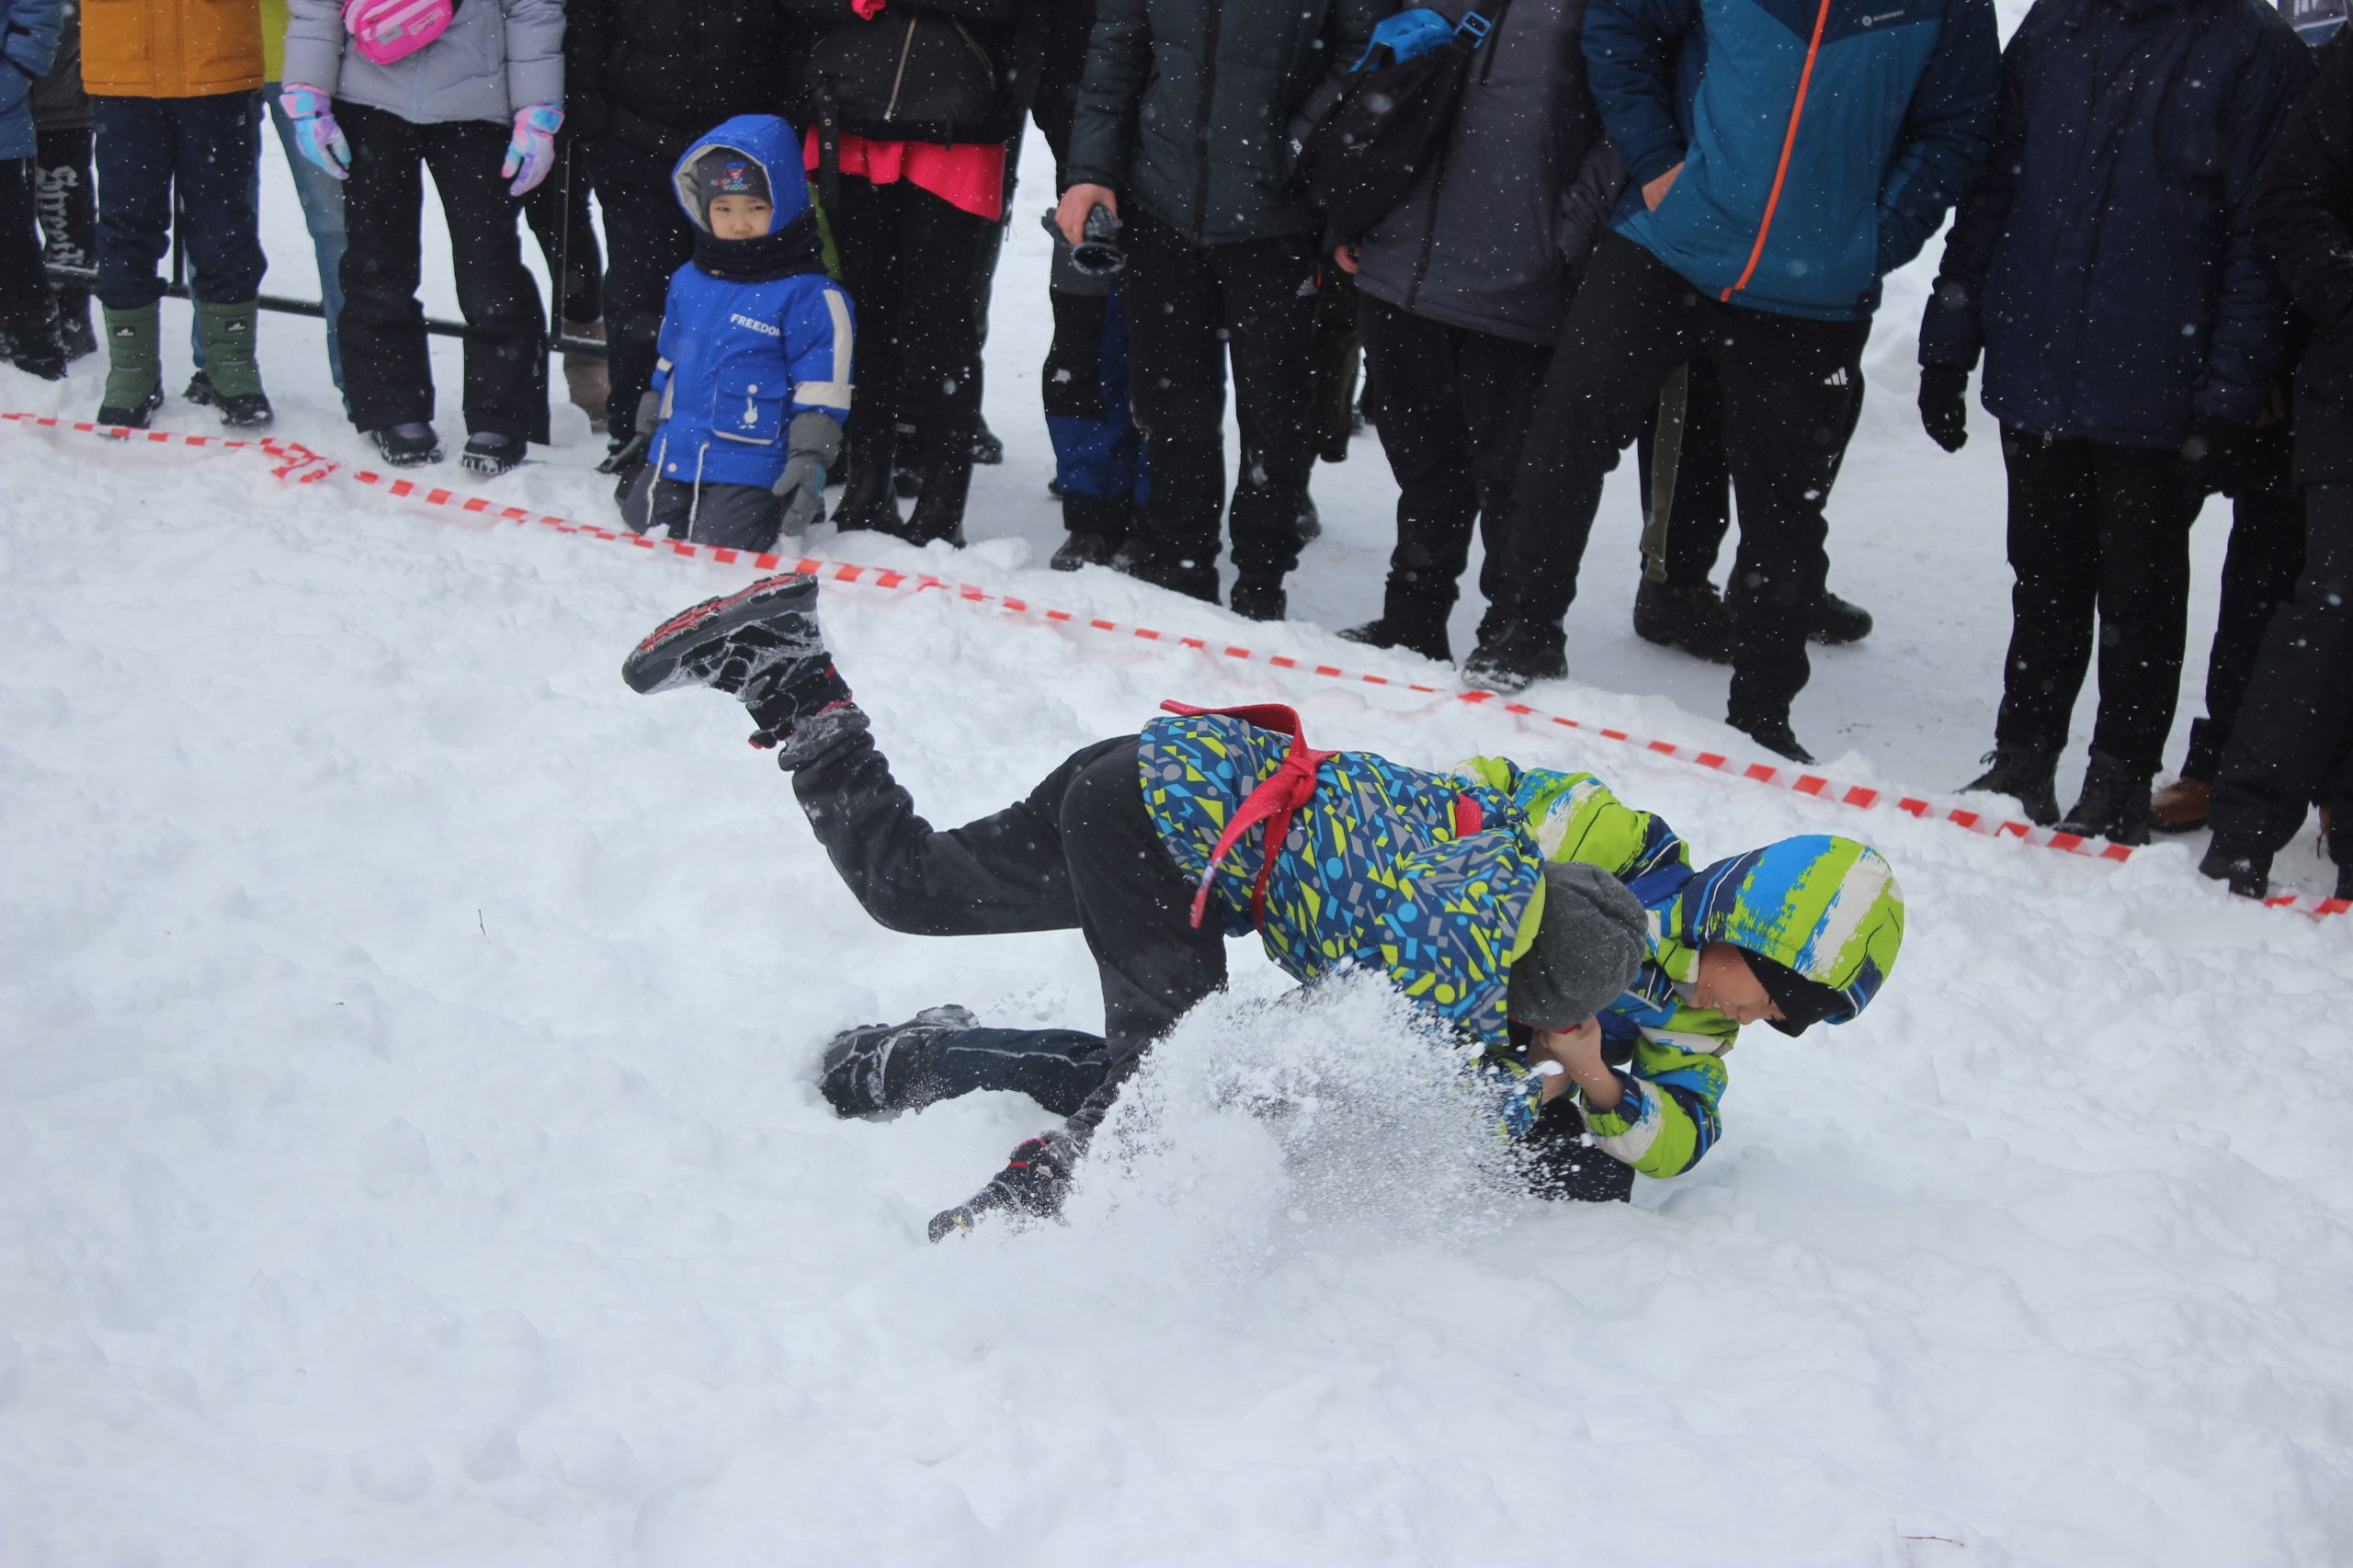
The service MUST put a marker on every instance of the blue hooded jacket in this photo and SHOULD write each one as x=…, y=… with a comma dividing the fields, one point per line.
x=1822, y=141
x=740, y=358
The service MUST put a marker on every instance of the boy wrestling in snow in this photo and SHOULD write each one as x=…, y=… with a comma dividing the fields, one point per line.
x=1526, y=911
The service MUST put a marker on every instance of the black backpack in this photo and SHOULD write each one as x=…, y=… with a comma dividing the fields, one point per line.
x=1392, y=122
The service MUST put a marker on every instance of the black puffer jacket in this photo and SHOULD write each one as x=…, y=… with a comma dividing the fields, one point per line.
x=1195, y=110
x=657, y=73
x=2303, y=215
x=947, y=71
x=1490, y=236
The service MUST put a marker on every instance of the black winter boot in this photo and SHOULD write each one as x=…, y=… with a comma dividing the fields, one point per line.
x=490, y=454
x=1512, y=655
x=1424, y=638
x=879, y=1067
x=407, y=446
x=867, y=499
x=1084, y=550
x=1140, y=558
x=1772, y=731
x=2026, y=774
x=1694, y=620
x=761, y=645
x=1838, y=622
x=939, y=510
x=2247, y=873
x=1032, y=1186
x=1259, y=598
x=2114, y=804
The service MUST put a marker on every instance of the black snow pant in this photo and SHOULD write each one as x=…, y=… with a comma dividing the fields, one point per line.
x=725, y=517
x=1453, y=415
x=649, y=239
x=1700, y=513
x=1064, y=1069
x=2098, y=534
x=557, y=211
x=915, y=266
x=197, y=153
x=388, y=375
x=1189, y=307
x=2266, y=552
x=25, y=309
x=66, y=199
x=1079, y=853
x=1789, y=396
x=2294, y=742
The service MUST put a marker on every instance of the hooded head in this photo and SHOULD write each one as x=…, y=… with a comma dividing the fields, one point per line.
x=1821, y=917
x=750, y=157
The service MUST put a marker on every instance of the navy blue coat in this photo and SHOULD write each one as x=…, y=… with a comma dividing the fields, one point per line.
x=2107, y=263
x=29, y=31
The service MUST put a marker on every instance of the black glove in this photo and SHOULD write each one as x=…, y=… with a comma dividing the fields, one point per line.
x=2212, y=453
x=1032, y=1184
x=625, y=458
x=1944, y=405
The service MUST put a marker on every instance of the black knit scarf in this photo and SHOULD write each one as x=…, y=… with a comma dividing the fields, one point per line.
x=794, y=248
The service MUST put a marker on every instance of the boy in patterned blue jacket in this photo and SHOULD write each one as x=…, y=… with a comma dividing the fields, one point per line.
x=744, y=413
x=1563, y=938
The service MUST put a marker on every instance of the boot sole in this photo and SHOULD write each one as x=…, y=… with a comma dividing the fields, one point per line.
x=654, y=661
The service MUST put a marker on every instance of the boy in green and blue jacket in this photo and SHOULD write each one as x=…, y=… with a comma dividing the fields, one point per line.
x=1560, y=934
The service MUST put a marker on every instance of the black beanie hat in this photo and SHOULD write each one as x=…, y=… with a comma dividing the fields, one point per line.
x=1803, y=1003
x=1590, y=943
x=724, y=170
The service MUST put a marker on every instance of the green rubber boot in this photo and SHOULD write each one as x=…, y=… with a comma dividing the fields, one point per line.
x=228, y=333
x=134, y=367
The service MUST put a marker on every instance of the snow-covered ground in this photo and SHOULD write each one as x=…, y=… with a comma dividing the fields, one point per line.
x=408, y=1151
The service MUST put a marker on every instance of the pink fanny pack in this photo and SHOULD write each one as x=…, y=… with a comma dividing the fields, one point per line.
x=386, y=31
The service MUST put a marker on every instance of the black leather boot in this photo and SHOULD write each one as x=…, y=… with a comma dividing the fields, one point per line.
x=2114, y=804
x=2026, y=774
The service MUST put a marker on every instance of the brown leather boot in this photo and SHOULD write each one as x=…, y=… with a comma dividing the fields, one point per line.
x=585, y=377
x=2181, y=806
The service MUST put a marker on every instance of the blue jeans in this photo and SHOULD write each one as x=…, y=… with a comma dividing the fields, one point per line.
x=321, y=195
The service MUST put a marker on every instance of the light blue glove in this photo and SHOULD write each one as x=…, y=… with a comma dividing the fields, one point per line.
x=315, y=131
x=531, y=150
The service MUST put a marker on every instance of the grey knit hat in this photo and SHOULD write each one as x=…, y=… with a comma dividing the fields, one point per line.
x=1590, y=944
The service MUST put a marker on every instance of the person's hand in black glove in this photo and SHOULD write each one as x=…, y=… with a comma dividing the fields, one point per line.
x=1944, y=405
x=2212, y=452
x=1032, y=1186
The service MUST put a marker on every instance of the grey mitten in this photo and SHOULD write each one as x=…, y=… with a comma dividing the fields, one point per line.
x=814, y=442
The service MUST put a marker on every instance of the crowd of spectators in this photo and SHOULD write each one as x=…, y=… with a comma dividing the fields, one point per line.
x=1654, y=225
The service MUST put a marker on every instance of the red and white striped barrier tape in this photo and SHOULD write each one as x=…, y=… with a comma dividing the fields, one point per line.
x=300, y=464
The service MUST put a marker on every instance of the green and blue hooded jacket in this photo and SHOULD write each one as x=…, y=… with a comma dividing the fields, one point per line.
x=1435, y=880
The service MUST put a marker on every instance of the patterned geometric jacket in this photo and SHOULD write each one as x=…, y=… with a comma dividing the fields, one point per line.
x=1373, y=871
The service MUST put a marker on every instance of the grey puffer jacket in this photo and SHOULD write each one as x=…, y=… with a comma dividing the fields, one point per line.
x=497, y=57
x=1493, y=235
x=1196, y=110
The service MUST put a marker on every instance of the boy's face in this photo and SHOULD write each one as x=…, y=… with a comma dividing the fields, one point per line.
x=739, y=217
x=1728, y=986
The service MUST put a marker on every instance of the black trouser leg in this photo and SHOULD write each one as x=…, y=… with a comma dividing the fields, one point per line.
x=650, y=239
x=1079, y=852
x=2143, y=601
x=1632, y=321
x=2054, y=529
x=2259, y=571
x=1452, y=425
x=2295, y=727
x=68, y=212
x=387, y=372
x=1700, y=515
x=938, y=316
x=1178, y=396
x=557, y=211
x=866, y=228
x=1270, y=339
x=506, y=354
x=1058, y=1068
x=24, y=288
x=1789, y=398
